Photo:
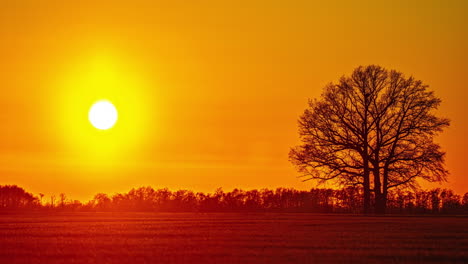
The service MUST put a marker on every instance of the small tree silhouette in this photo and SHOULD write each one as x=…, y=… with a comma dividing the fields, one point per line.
x=52, y=201
x=63, y=198
x=41, y=195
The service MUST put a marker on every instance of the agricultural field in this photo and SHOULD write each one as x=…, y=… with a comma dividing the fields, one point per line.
x=230, y=238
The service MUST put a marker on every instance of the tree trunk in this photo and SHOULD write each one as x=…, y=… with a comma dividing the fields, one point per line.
x=365, y=156
x=379, y=207
x=367, y=197
x=381, y=201
x=366, y=185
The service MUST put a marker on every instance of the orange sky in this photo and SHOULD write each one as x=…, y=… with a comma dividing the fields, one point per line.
x=209, y=91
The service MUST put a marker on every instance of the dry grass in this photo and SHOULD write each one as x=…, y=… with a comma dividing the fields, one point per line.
x=230, y=238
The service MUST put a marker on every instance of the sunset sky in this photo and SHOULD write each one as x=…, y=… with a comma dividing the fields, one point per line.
x=208, y=92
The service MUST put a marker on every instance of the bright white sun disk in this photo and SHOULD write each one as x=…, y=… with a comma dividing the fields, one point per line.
x=103, y=115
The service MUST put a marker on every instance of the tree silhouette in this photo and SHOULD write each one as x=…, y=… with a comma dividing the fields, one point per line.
x=374, y=129
x=52, y=200
x=63, y=198
x=13, y=197
x=41, y=195
x=147, y=199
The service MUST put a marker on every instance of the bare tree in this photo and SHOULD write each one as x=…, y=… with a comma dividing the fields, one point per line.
x=375, y=123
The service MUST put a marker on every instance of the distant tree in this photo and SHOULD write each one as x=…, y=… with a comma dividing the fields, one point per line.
x=465, y=202
x=435, y=200
x=52, y=201
x=373, y=129
x=13, y=197
x=146, y=199
x=75, y=205
x=101, y=202
x=450, y=201
x=41, y=195
x=63, y=199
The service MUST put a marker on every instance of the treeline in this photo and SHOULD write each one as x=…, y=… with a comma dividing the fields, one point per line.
x=147, y=199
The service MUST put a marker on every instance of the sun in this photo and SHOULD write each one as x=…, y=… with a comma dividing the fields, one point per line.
x=106, y=109
x=103, y=115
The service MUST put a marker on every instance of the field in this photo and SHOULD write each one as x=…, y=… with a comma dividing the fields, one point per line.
x=230, y=238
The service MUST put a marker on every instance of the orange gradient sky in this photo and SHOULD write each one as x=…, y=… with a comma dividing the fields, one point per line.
x=208, y=92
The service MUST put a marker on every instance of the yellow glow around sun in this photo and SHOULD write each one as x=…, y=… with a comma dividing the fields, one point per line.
x=103, y=115
x=100, y=130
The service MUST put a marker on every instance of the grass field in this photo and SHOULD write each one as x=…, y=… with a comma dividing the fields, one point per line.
x=230, y=238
